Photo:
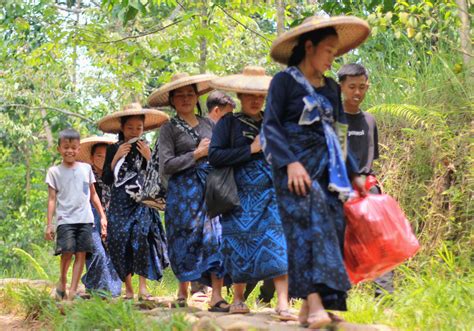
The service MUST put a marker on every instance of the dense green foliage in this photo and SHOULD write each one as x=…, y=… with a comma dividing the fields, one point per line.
x=67, y=63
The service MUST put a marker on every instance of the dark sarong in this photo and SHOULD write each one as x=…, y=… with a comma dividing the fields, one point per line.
x=254, y=245
x=101, y=275
x=136, y=239
x=314, y=224
x=194, y=239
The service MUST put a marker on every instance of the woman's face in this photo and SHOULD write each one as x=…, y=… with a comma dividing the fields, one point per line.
x=98, y=157
x=184, y=99
x=322, y=55
x=252, y=104
x=132, y=128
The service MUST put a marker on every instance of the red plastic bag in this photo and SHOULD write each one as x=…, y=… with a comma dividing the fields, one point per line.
x=378, y=237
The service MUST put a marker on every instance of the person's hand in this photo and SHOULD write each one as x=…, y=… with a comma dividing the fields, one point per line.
x=359, y=183
x=298, y=179
x=144, y=149
x=49, y=232
x=255, y=147
x=202, y=149
x=123, y=150
x=103, y=228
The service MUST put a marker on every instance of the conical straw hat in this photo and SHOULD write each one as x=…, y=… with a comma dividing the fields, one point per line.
x=351, y=31
x=153, y=118
x=87, y=144
x=160, y=97
x=252, y=81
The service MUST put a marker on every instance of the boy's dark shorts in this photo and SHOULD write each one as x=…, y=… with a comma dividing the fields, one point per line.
x=73, y=238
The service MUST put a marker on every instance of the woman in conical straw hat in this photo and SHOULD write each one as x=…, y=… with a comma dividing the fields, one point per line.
x=194, y=238
x=310, y=174
x=101, y=275
x=136, y=238
x=253, y=242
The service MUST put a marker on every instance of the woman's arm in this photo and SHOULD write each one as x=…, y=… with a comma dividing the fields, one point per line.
x=220, y=152
x=276, y=146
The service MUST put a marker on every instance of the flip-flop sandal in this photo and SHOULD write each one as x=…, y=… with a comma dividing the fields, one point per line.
x=335, y=318
x=60, y=295
x=126, y=298
x=239, y=308
x=284, y=315
x=146, y=297
x=218, y=307
x=181, y=303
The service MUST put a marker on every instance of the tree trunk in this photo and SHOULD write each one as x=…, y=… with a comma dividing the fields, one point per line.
x=203, y=45
x=47, y=129
x=466, y=46
x=74, y=55
x=280, y=16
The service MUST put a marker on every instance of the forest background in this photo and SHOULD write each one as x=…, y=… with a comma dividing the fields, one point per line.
x=68, y=63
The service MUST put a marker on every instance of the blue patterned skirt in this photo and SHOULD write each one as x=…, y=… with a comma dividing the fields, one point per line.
x=194, y=238
x=101, y=275
x=135, y=237
x=253, y=243
x=314, y=224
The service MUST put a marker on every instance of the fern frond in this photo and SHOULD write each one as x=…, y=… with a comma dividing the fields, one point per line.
x=416, y=116
x=27, y=257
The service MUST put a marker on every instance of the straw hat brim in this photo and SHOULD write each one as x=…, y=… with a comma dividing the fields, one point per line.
x=160, y=97
x=351, y=31
x=153, y=119
x=240, y=83
x=87, y=144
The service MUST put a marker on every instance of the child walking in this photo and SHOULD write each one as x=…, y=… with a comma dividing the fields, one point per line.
x=362, y=137
x=70, y=188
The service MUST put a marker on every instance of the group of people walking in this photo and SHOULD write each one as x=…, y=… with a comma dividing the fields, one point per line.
x=292, y=169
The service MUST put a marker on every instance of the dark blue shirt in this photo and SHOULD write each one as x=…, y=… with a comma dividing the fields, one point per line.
x=285, y=105
x=221, y=154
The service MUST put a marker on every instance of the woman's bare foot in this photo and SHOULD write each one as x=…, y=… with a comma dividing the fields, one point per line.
x=303, y=315
x=318, y=319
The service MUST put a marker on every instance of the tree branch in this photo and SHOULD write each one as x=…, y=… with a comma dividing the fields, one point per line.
x=59, y=110
x=248, y=28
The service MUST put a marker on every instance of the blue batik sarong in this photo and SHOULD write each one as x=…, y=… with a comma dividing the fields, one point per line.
x=193, y=238
x=254, y=245
x=101, y=276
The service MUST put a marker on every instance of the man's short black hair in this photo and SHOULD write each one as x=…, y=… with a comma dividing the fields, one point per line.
x=219, y=99
x=68, y=134
x=352, y=70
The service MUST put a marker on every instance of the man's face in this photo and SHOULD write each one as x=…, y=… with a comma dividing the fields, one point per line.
x=69, y=148
x=354, y=89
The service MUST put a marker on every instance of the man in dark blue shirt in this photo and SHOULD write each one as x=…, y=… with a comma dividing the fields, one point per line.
x=362, y=136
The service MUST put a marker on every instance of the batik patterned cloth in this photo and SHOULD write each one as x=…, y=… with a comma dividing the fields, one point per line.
x=194, y=238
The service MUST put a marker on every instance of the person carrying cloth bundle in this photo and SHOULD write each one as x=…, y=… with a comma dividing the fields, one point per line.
x=101, y=276
x=136, y=241
x=193, y=237
x=254, y=245
x=299, y=137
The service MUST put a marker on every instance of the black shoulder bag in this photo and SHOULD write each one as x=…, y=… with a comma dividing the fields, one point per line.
x=221, y=189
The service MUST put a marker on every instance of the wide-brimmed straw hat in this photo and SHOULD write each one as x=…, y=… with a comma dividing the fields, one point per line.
x=89, y=142
x=153, y=118
x=252, y=81
x=160, y=97
x=351, y=32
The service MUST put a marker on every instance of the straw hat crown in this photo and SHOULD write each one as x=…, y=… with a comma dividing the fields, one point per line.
x=252, y=80
x=153, y=118
x=351, y=32
x=160, y=97
x=85, y=152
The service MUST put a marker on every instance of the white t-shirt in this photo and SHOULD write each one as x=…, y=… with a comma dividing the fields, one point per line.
x=72, y=187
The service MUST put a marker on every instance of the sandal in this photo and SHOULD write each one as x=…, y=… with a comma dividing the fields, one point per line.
x=181, y=303
x=285, y=315
x=319, y=322
x=220, y=307
x=335, y=318
x=145, y=297
x=127, y=298
x=239, y=308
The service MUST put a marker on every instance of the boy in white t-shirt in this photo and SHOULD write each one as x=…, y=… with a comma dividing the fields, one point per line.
x=70, y=187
